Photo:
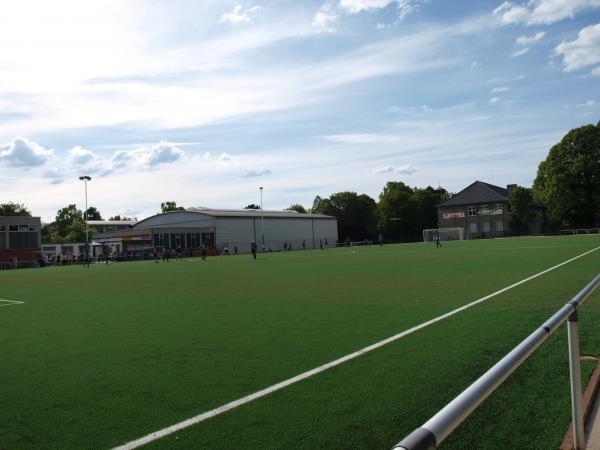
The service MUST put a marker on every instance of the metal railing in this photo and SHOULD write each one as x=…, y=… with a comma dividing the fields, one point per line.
x=433, y=432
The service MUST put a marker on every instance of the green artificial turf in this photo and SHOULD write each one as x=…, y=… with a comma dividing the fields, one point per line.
x=101, y=356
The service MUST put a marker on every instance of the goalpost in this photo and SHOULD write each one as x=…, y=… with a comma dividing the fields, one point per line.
x=445, y=234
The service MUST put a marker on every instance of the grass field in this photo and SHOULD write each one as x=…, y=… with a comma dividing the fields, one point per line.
x=98, y=357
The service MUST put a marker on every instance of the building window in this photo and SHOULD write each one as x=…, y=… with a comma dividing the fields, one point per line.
x=2, y=228
x=13, y=228
x=473, y=227
x=484, y=209
x=485, y=227
x=472, y=211
x=500, y=226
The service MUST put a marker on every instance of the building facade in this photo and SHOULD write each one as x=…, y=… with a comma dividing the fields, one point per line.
x=20, y=238
x=224, y=229
x=482, y=209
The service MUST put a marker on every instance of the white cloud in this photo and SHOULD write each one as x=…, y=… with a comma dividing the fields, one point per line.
x=146, y=157
x=226, y=160
x=521, y=52
x=79, y=156
x=494, y=99
x=536, y=12
x=361, y=138
x=24, y=153
x=583, y=51
x=588, y=104
x=500, y=89
x=380, y=26
x=56, y=176
x=325, y=17
x=256, y=173
x=356, y=6
x=407, y=170
x=239, y=15
x=528, y=40
x=596, y=72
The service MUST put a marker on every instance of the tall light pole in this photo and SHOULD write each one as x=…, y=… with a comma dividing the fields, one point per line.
x=262, y=218
x=85, y=179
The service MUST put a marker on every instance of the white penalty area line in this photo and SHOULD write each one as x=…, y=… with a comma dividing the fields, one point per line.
x=10, y=302
x=276, y=387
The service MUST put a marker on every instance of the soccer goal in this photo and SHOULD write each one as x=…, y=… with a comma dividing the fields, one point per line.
x=445, y=234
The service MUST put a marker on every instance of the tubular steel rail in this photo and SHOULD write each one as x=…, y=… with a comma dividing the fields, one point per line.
x=433, y=432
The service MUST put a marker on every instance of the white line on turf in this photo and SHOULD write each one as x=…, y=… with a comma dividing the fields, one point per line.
x=10, y=302
x=276, y=387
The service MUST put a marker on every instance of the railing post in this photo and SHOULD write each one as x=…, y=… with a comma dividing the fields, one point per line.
x=575, y=370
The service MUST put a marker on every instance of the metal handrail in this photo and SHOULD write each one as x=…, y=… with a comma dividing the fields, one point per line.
x=433, y=432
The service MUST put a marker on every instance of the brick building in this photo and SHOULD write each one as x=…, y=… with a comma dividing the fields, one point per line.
x=482, y=209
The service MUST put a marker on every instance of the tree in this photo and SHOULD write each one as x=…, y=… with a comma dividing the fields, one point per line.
x=297, y=207
x=14, y=209
x=170, y=206
x=118, y=217
x=568, y=180
x=356, y=214
x=252, y=206
x=65, y=217
x=520, y=200
x=404, y=211
x=396, y=211
x=93, y=214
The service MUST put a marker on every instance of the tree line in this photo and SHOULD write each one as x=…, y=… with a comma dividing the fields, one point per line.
x=567, y=185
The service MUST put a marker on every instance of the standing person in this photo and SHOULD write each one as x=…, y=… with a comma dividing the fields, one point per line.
x=203, y=250
x=178, y=253
x=325, y=243
x=303, y=245
x=437, y=240
x=321, y=243
x=253, y=249
x=380, y=240
x=155, y=255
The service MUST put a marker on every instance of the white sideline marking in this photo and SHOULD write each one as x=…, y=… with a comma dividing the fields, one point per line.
x=10, y=302
x=276, y=387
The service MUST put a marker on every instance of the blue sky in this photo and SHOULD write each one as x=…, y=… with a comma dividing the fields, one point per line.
x=203, y=102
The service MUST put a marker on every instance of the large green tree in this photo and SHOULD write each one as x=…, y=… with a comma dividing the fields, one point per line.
x=93, y=214
x=356, y=214
x=568, y=180
x=404, y=211
x=65, y=218
x=170, y=206
x=520, y=200
x=14, y=209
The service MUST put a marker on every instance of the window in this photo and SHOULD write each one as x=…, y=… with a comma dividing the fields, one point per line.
x=23, y=227
x=473, y=227
x=472, y=211
x=484, y=208
x=13, y=228
x=2, y=228
x=500, y=226
x=485, y=227
x=498, y=206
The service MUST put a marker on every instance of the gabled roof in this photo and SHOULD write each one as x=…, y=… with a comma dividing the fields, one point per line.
x=478, y=192
x=255, y=213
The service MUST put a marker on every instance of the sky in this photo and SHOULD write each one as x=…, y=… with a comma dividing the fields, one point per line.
x=204, y=102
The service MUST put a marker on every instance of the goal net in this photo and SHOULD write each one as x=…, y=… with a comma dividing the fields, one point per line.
x=445, y=234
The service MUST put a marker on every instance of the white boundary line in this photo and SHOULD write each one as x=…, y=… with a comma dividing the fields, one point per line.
x=276, y=387
x=10, y=302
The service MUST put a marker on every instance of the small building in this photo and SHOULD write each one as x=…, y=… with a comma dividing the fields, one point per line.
x=101, y=227
x=224, y=228
x=20, y=238
x=482, y=209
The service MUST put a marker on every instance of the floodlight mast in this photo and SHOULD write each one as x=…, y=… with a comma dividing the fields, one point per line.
x=262, y=218
x=85, y=179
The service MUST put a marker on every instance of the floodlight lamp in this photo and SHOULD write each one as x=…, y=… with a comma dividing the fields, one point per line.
x=85, y=177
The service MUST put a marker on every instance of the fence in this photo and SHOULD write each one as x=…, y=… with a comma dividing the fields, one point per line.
x=433, y=432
